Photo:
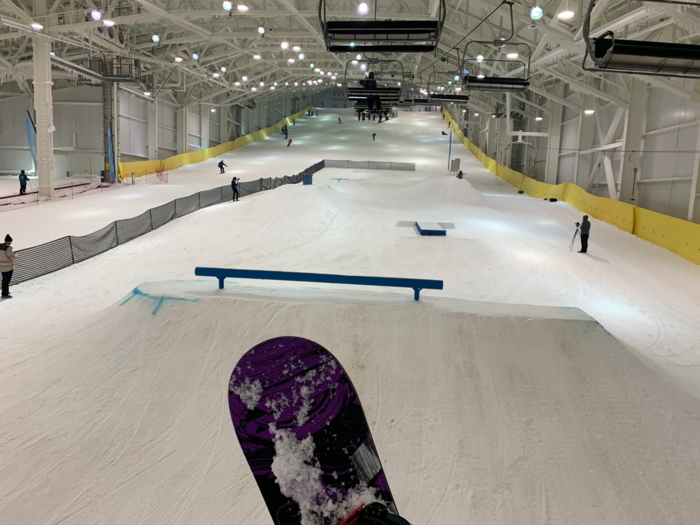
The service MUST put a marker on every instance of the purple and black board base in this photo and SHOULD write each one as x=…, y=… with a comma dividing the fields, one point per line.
x=303, y=389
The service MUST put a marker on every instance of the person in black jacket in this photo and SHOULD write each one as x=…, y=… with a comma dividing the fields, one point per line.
x=585, y=231
x=221, y=166
x=234, y=187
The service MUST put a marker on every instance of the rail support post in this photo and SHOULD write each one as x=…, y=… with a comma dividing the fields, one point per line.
x=221, y=283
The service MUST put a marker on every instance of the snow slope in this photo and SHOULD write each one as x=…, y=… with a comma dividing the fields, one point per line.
x=483, y=413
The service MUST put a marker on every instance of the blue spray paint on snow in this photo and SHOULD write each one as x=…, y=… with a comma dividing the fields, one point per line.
x=158, y=299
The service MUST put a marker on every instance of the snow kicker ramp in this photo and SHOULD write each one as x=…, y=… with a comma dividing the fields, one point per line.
x=482, y=413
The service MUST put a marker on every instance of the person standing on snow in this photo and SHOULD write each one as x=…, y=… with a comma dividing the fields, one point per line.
x=234, y=187
x=374, y=136
x=339, y=121
x=7, y=258
x=221, y=166
x=23, y=182
x=585, y=231
x=289, y=143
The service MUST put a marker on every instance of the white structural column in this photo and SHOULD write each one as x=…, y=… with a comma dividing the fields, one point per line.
x=586, y=130
x=43, y=105
x=554, y=139
x=632, y=139
x=181, y=132
x=694, y=182
x=153, y=130
x=205, y=111
x=223, y=123
x=505, y=145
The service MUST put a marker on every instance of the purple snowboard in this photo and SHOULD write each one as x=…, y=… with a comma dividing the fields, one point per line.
x=304, y=434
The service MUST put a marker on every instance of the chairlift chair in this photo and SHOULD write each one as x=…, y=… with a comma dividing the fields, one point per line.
x=520, y=83
x=383, y=36
x=665, y=59
x=374, y=93
x=434, y=96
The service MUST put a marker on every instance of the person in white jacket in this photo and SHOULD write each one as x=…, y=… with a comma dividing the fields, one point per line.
x=7, y=257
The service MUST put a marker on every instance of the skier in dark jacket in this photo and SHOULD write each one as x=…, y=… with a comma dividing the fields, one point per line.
x=585, y=231
x=23, y=182
x=234, y=187
x=7, y=258
x=221, y=166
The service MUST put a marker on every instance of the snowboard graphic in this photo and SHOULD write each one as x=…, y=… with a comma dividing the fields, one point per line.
x=304, y=434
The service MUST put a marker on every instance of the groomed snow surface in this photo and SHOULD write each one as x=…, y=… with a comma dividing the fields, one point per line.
x=540, y=387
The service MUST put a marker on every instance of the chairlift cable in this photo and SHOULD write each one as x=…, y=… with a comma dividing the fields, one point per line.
x=470, y=33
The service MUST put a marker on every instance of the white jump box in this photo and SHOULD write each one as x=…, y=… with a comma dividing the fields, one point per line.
x=430, y=228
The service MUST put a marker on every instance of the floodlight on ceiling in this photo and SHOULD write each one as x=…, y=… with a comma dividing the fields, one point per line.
x=146, y=93
x=284, y=44
x=262, y=83
x=480, y=75
x=195, y=56
x=213, y=110
x=253, y=88
x=178, y=59
x=36, y=26
x=363, y=8
x=538, y=119
x=244, y=78
x=311, y=66
x=290, y=60
x=223, y=69
x=296, y=49
x=296, y=84
x=566, y=14
x=242, y=8
x=363, y=67
x=286, y=83
x=215, y=75
x=261, y=30
x=256, y=57
x=96, y=14
x=227, y=5
x=479, y=58
x=301, y=56
x=155, y=38
x=589, y=111
x=272, y=88
x=512, y=56
x=109, y=23
x=475, y=114
x=354, y=62
x=236, y=83
x=536, y=12
x=358, y=57
x=317, y=69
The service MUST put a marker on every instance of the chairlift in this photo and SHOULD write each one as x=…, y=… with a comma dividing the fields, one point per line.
x=398, y=36
x=482, y=82
x=434, y=96
x=372, y=88
x=662, y=59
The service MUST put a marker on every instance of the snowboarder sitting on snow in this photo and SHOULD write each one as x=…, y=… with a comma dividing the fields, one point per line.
x=23, y=182
x=460, y=175
x=585, y=231
x=221, y=166
x=7, y=257
x=234, y=187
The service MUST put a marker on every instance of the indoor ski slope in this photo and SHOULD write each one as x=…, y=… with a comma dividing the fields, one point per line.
x=485, y=409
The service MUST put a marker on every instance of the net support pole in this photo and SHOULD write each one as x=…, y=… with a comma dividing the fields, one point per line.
x=43, y=105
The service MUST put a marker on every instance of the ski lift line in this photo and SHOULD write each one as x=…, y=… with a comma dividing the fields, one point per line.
x=483, y=20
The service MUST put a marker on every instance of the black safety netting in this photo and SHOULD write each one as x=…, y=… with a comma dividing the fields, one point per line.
x=58, y=254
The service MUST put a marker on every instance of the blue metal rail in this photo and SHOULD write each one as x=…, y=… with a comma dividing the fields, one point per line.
x=417, y=284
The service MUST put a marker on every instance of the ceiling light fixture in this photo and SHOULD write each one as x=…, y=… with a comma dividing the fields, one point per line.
x=354, y=62
x=178, y=59
x=96, y=14
x=536, y=12
x=284, y=44
x=213, y=110
x=244, y=78
x=480, y=76
x=475, y=114
x=479, y=58
x=236, y=83
x=215, y=75
x=566, y=14
x=146, y=93
x=253, y=89
x=156, y=38
x=589, y=111
x=301, y=56
x=512, y=56
x=358, y=57
x=538, y=119
x=256, y=57
x=223, y=69
x=296, y=49
x=36, y=26
x=109, y=23
x=242, y=8
x=227, y=5
x=195, y=56
x=291, y=60
x=261, y=30
x=363, y=8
